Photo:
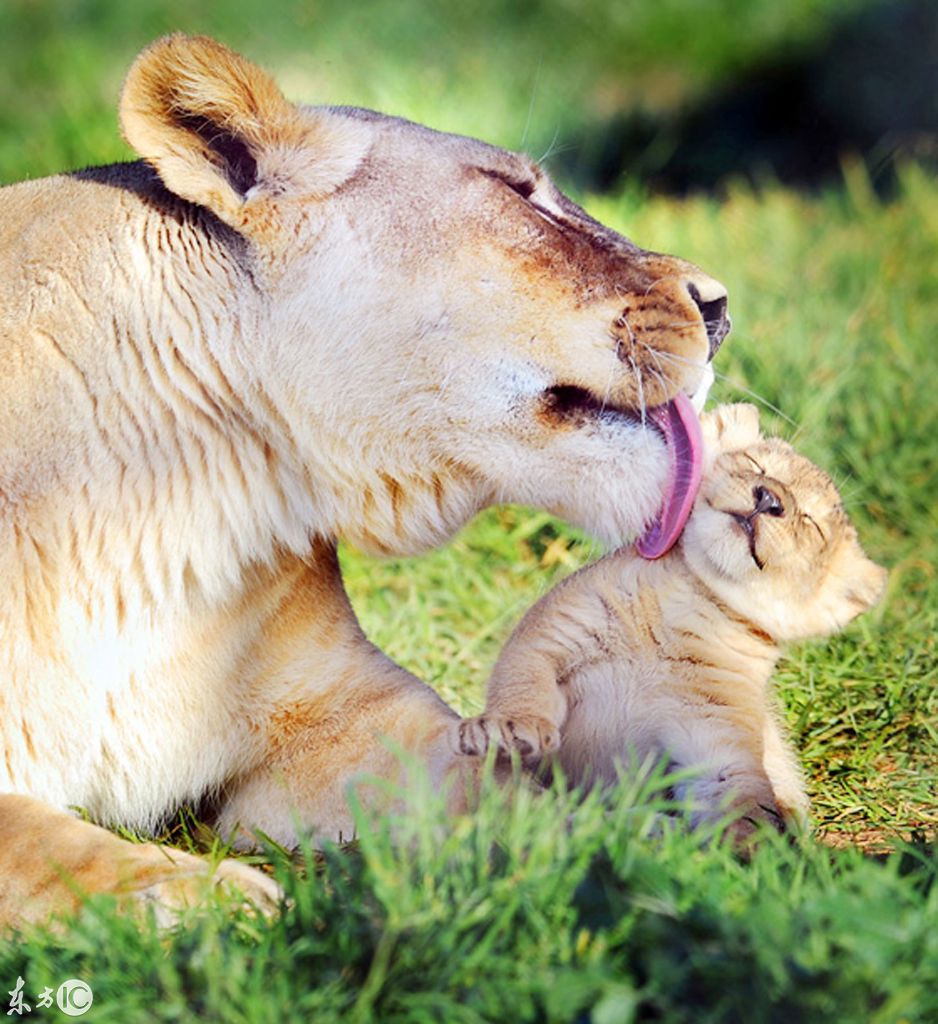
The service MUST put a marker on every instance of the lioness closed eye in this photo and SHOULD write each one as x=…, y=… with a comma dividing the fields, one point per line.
x=282, y=326
x=672, y=658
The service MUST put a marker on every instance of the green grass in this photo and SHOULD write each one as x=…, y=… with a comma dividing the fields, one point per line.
x=543, y=910
x=551, y=911
x=529, y=73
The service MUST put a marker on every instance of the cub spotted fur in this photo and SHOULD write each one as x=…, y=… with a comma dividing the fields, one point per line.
x=673, y=657
x=282, y=326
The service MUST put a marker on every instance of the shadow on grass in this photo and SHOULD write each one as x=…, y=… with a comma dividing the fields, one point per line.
x=867, y=88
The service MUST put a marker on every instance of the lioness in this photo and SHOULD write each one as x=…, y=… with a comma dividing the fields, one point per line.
x=282, y=326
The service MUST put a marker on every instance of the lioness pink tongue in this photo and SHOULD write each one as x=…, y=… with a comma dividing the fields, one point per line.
x=678, y=422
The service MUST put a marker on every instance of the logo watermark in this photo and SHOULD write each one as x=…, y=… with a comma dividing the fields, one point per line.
x=73, y=997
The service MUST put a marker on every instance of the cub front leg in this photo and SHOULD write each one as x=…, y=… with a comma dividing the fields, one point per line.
x=51, y=861
x=526, y=699
x=524, y=711
x=523, y=715
x=531, y=736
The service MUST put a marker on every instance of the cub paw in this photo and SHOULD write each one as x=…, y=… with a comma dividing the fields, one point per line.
x=531, y=736
x=744, y=805
x=744, y=830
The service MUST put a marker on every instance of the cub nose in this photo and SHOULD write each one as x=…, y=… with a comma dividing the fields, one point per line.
x=712, y=305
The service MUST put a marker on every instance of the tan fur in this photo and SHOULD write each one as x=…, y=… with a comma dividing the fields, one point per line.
x=283, y=326
x=672, y=658
x=51, y=860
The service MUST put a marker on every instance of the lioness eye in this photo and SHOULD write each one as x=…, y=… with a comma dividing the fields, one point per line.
x=524, y=187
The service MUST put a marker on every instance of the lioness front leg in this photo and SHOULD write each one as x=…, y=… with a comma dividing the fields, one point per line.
x=52, y=860
x=328, y=710
x=364, y=737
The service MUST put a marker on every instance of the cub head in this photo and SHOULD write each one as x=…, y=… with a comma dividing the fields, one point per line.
x=769, y=535
x=438, y=324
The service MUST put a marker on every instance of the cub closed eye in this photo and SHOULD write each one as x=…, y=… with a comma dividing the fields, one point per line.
x=813, y=522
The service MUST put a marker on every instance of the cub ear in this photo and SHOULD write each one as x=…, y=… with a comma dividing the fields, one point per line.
x=728, y=428
x=854, y=584
x=219, y=132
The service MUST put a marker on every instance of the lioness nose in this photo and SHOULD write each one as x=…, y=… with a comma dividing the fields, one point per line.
x=712, y=306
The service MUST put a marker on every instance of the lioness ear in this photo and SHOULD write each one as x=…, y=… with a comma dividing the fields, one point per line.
x=728, y=428
x=219, y=132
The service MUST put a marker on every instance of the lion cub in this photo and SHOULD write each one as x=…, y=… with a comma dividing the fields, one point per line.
x=630, y=658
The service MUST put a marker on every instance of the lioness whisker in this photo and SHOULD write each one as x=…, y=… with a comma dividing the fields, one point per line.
x=527, y=122
x=755, y=396
x=735, y=384
x=641, y=389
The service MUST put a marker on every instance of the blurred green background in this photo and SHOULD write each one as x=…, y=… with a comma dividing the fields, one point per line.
x=676, y=93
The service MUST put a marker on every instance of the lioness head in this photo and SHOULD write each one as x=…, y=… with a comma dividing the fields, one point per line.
x=438, y=327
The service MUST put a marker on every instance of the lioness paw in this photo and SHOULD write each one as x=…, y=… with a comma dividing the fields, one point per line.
x=259, y=891
x=194, y=880
x=531, y=736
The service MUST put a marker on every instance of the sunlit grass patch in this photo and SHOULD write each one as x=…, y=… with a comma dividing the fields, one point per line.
x=543, y=907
